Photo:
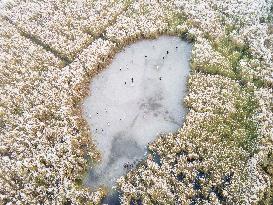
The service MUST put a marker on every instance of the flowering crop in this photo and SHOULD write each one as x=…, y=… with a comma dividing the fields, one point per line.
x=49, y=51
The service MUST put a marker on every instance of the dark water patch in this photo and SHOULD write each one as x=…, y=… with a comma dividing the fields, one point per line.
x=113, y=198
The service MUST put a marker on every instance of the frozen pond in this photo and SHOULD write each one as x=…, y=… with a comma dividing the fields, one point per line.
x=139, y=96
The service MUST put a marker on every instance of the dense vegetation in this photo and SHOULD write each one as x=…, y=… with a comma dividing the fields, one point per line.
x=49, y=52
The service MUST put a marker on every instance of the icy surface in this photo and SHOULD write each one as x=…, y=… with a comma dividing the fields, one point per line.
x=139, y=96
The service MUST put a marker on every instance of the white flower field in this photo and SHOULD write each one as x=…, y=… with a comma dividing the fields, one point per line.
x=50, y=50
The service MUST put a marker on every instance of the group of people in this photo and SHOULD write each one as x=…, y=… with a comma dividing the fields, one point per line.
x=129, y=165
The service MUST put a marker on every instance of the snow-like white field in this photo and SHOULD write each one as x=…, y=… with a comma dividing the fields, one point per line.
x=4, y=2
x=139, y=96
